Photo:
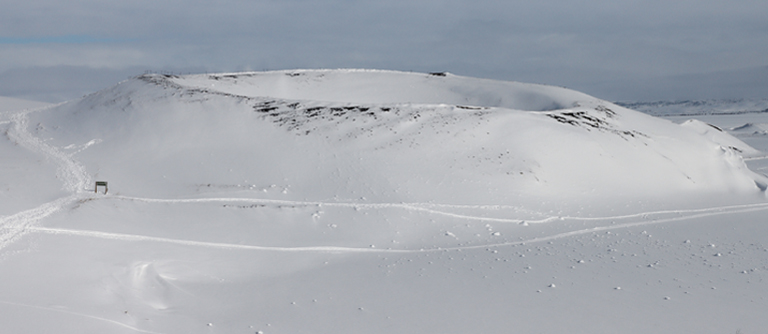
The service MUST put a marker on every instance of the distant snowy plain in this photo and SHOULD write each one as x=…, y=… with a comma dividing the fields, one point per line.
x=359, y=201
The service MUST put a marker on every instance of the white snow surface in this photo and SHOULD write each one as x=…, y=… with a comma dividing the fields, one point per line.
x=360, y=201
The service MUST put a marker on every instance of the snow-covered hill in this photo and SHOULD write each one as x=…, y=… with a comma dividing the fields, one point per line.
x=746, y=119
x=358, y=201
x=353, y=134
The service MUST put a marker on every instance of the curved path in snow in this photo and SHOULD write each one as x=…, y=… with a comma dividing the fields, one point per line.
x=75, y=180
x=69, y=171
x=217, y=245
x=646, y=218
x=430, y=208
x=82, y=315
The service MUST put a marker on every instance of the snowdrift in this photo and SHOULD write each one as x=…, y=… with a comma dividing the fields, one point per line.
x=383, y=136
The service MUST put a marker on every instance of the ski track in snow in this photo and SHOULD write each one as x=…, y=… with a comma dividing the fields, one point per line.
x=423, y=207
x=52, y=309
x=376, y=206
x=133, y=237
x=743, y=209
x=682, y=215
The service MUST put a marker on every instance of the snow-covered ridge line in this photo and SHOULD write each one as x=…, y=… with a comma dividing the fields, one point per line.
x=190, y=84
x=320, y=70
x=363, y=86
x=302, y=116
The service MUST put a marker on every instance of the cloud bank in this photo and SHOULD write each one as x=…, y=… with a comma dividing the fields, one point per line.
x=605, y=48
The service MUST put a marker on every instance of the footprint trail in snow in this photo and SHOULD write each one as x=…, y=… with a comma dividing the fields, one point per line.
x=73, y=175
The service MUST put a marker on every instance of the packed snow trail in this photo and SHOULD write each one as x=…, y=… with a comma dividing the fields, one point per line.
x=75, y=180
x=69, y=171
x=15, y=226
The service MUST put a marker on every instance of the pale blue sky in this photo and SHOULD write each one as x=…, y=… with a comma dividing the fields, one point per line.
x=608, y=48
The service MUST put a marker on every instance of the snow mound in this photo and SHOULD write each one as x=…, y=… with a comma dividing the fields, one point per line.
x=751, y=129
x=389, y=137
x=717, y=135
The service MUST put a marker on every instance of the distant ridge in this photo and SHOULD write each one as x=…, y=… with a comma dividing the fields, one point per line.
x=699, y=107
x=11, y=103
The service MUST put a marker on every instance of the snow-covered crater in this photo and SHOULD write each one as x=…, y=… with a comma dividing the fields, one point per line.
x=386, y=87
x=390, y=137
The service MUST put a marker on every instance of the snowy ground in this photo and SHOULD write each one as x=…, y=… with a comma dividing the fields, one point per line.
x=377, y=202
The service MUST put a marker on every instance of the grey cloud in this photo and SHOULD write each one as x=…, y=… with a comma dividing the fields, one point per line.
x=567, y=42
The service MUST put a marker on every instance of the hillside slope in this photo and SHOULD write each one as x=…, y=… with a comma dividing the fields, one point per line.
x=386, y=136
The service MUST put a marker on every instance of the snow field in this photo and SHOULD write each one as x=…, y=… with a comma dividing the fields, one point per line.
x=360, y=201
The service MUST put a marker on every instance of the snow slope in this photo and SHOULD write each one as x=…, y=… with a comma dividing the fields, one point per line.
x=355, y=201
x=745, y=119
x=462, y=140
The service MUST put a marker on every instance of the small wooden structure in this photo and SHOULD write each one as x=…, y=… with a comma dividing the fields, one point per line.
x=98, y=184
